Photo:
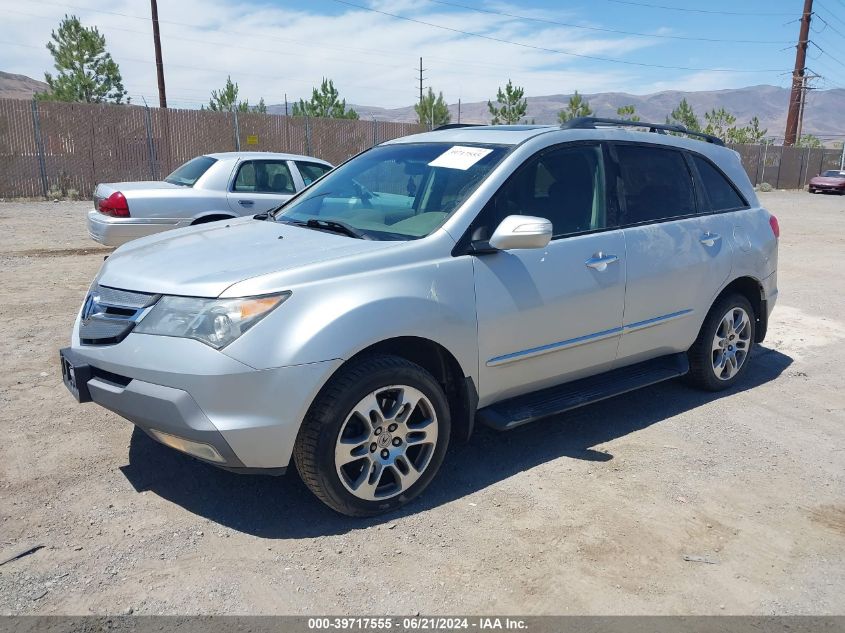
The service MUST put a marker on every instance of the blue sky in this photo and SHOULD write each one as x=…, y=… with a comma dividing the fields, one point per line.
x=470, y=47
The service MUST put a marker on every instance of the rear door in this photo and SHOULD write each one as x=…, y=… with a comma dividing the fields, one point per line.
x=260, y=185
x=554, y=314
x=678, y=256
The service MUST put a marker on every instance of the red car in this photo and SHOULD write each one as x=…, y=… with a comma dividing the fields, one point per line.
x=830, y=180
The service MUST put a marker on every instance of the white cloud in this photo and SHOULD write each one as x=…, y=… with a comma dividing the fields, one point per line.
x=372, y=58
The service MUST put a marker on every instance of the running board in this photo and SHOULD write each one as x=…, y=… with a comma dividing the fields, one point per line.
x=540, y=404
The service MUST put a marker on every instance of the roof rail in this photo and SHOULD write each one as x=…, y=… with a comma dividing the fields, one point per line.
x=452, y=126
x=591, y=123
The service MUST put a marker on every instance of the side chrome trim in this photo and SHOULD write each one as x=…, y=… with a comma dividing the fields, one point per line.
x=552, y=347
x=641, y=325
x=581, y=340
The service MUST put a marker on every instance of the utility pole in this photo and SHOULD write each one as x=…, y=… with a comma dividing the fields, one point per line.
x=162, y=96
x=421, y=83
x=796, y=97
x=459, y=110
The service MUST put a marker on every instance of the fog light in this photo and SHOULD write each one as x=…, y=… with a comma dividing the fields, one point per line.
x=203, y=451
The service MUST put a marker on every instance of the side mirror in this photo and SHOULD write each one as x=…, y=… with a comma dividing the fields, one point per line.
x=522, y=231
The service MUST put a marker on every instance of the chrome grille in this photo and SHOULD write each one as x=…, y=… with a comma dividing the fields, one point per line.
x=109, y=314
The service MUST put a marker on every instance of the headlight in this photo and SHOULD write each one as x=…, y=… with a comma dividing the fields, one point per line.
x=215, y=322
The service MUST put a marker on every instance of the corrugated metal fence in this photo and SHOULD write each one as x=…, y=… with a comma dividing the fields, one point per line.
x=46, y=145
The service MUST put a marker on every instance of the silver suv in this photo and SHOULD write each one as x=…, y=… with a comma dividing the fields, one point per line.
x=474, y=274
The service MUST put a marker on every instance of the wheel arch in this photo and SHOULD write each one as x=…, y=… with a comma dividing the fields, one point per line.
x=460, y=390
x=751, y=289
x=211, y=216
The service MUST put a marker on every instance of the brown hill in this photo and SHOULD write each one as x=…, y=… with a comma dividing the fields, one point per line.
x=19, y=86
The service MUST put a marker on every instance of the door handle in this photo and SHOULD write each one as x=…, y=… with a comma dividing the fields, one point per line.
x=246, y=203
x=710, y=239
x=599, y=261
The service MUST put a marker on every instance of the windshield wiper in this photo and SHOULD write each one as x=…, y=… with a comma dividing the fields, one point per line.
x=337, y=227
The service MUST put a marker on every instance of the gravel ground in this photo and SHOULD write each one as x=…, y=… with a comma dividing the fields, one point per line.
x=592, y=512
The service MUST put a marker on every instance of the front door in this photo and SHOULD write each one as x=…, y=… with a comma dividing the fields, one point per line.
x=547, y=316
x=260, y=185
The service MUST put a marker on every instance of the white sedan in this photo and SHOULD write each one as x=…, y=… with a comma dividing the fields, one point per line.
x=205, y=189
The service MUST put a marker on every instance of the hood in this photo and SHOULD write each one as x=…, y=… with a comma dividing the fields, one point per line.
x=827, y=180
x=204, y=260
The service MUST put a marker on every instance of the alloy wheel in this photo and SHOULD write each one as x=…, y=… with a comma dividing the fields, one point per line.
x=731, y=343
x=386, y=442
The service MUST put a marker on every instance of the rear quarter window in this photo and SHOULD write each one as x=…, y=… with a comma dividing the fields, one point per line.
x=188, y=174
x=718, y=189
x=656, y=184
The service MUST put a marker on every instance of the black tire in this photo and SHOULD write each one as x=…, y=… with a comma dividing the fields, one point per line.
x=702, y=373
x=314, y=451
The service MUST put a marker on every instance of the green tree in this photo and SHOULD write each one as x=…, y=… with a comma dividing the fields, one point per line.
x=751, y=134
x=511, y=105
x=226, y=100
x=720, y=123
x=85, y=71
x=261, y=108
x=324, y=102
x=433, y=111
x=627, y=113
x=684, y=115
x=577, y=107
x=808, y=140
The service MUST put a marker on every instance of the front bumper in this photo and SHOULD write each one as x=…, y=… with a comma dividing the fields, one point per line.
x=185, y=389
x=111, y=231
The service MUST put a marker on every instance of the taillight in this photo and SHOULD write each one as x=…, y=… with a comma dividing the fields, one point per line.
x=115, y=205
x=773, y=222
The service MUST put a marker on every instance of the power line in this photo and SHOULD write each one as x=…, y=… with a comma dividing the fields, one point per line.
x=552, y=50
x=688, y=10
x=824, y=52
x=602, y=29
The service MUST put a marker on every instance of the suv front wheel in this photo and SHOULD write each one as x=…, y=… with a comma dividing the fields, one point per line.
x=374, y=437
x=720, y=354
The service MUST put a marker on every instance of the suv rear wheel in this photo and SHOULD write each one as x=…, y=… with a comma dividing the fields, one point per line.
x=374, y=437
x=720, y=354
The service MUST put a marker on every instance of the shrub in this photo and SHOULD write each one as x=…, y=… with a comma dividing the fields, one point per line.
x=765, y=187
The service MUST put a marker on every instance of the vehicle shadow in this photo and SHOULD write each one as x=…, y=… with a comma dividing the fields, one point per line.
x=282, y=507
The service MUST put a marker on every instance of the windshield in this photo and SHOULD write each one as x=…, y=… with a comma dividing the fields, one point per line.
x=834, y=174
x=396, y=192
x=188, y=174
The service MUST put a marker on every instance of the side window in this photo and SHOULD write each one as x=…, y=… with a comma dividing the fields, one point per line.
x=311, y=171
x=565, y=186
x=656, y=184
x=721, y=193
x=264, y=176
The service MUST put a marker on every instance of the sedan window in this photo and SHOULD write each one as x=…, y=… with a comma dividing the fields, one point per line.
x=188, y=174
x=264, y=176
x=311, y=171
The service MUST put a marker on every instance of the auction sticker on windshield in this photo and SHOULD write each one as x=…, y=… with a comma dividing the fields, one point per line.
x=460, y=157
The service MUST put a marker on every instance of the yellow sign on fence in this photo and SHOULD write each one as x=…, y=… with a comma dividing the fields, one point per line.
x=252, y=139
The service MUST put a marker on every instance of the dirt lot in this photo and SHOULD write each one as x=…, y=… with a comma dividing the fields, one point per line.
x=590, y=513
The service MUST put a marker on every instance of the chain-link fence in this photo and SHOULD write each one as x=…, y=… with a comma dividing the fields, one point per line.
x=47, y=146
